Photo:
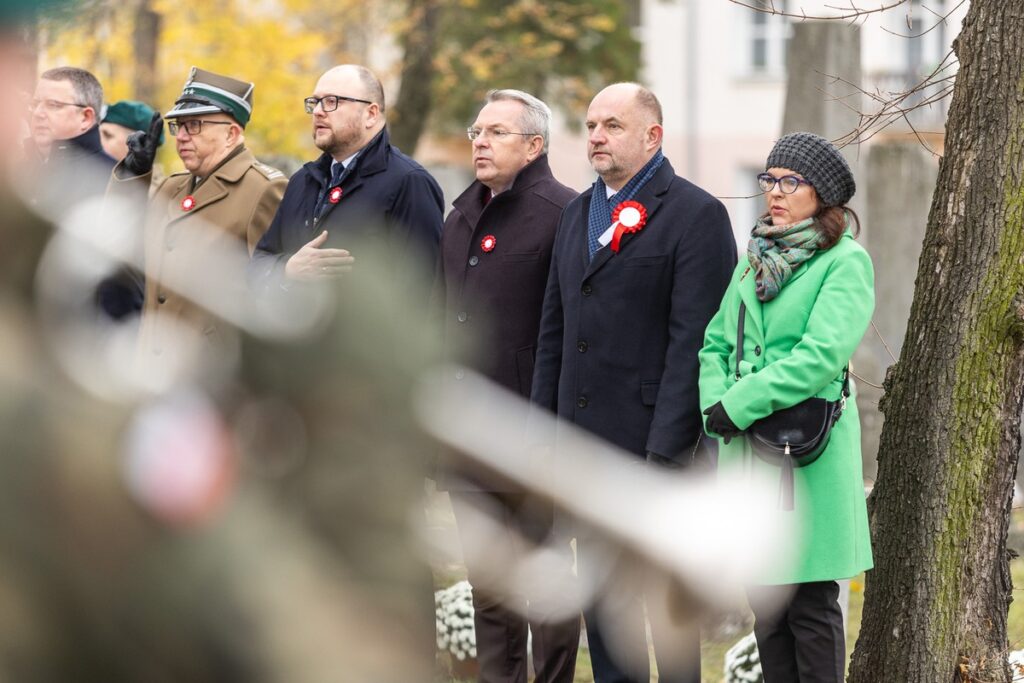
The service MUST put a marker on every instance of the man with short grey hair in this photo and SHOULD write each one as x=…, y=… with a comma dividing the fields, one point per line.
x=65, y=132
x=495, y=252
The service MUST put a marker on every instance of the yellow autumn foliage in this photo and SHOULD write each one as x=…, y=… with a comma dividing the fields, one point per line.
x=270, y=43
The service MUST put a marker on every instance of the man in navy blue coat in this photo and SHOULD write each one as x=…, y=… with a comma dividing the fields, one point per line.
x=641, y=261
x=360, y=189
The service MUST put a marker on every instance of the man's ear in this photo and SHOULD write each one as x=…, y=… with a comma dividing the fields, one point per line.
x=89, y=117
x=373, y=115
x=654, y=136
x=536, y=147
x=234, y=133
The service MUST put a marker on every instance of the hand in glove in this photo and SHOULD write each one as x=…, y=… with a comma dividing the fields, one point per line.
x=719, y=422
x=142, y=147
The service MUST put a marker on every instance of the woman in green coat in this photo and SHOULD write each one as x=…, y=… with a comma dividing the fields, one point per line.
x=808, y=291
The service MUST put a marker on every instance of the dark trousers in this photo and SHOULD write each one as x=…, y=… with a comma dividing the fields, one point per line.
x=799, y=631
x=616, y=630
x=501, y=618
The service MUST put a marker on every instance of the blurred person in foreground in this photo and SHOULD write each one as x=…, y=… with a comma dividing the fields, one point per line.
x=805, y=293
x=640, y=263
x=495, y=254
x=233, y=531
x=360, y=189
x=223, y=201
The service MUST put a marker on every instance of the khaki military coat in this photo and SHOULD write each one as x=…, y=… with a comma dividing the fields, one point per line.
x=197, y=243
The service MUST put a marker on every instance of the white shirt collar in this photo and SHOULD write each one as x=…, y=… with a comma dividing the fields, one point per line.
x=344, y=163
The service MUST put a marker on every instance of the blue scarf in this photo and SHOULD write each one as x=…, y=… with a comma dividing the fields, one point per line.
x=600, y=218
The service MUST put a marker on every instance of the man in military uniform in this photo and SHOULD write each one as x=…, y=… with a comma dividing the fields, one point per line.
x=198, y=219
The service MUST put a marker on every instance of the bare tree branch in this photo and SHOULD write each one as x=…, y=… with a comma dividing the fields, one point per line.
x=941, y=20
x=846, y=12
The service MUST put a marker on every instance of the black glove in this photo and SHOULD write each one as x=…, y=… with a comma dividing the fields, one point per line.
x=719, y=422
x=142, y=147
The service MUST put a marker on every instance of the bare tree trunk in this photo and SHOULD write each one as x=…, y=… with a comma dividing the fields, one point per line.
x=936, y=603
x=414, y=102
x=144, y=42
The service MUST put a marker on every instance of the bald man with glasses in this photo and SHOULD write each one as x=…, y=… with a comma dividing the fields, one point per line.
x=360, y=189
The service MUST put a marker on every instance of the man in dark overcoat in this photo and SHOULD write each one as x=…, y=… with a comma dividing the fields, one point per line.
x=65, y=130
x=640, y=264
x=495, y=254
x=361, y=189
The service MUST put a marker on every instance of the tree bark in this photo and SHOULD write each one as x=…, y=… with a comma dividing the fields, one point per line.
x=415, y=99
x=144, y=41
x=936, y=603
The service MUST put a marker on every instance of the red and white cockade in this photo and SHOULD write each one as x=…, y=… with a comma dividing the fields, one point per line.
x=629, y=216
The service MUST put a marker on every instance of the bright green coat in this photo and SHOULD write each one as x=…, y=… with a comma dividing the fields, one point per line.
x=796, y=347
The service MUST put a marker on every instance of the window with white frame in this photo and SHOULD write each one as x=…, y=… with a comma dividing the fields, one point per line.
x=768, y=36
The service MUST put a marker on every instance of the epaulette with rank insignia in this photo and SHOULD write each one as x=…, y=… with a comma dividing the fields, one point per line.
x=269, y=172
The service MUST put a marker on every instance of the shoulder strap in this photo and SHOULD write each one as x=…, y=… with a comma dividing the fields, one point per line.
x=739, y=337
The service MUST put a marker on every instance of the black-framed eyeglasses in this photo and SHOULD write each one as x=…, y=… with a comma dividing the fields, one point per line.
x=330, y=102
x=53, y=105
x=787, y=183
x=498, y=134
x=193, y=126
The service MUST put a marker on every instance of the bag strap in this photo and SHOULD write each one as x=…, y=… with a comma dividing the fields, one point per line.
x=739, y=357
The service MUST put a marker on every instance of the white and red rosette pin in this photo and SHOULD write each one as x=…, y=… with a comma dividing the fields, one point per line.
x=335, y=195
x=488, y=243
x=629, y=216
x=188, y=203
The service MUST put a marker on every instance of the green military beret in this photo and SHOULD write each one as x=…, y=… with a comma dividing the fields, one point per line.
x=131, y=114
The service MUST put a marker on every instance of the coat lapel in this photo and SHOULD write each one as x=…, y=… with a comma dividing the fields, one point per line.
x=748, y=294
x=584, y=224
x=211, y=190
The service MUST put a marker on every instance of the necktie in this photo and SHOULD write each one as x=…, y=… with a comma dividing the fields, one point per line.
x=336, y=172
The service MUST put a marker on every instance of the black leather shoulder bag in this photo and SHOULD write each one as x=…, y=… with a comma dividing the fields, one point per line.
x=794, y=436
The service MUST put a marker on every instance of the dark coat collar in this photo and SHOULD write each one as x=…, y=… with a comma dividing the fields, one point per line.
x=373, y=158
x=87, y=143
x=471, y=202
x=649, y=195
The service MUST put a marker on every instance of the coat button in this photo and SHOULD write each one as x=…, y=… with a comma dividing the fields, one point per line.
x=581, y=402
x=587, y=290
x=462, y=316
x=161, y=299
x=581, y=346
x=757, y=350
x=473, y=260
x=460, y=374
